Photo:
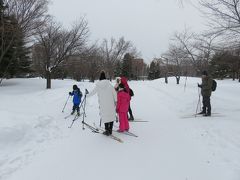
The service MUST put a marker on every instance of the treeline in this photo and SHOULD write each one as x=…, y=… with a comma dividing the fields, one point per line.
x=116, y=57
x=33, y=43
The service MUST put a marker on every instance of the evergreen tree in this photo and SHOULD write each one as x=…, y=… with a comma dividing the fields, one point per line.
x=118, y=69
x=22, y=61
x=14, y=58
x=127, y=65
x=6, y=40
x=151, y=73
x=224, y=64
x=154, y=70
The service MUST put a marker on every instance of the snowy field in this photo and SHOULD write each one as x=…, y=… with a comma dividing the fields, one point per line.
x=36, y=143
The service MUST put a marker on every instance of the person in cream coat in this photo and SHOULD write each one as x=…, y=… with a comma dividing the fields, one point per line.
x=107, y=98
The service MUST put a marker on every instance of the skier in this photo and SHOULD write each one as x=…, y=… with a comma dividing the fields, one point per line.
x=123, y=101
x=130, y=92
x=206, y=91
x=77, y=95
x=107, y=98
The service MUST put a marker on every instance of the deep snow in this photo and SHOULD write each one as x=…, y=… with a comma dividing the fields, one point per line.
x=36, y=143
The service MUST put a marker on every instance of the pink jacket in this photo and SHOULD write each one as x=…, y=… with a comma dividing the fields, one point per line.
x=123, y=101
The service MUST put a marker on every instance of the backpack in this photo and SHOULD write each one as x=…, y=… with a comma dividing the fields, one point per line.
x=214, y=85
x=131, y=93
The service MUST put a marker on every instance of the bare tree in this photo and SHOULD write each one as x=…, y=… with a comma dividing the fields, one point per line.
x=165, y=63
x=197, y=49
x=57, y=44
x=185, y=42
x=92, y=62
x=114, y=51
x=176, y=59
x=224, y=16
x=30, y=14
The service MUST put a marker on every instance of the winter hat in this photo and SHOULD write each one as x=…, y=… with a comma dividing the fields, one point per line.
x=75, y=87
x=102, y=76
x=204, y=73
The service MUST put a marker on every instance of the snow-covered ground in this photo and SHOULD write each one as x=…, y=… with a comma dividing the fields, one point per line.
x=36, y=143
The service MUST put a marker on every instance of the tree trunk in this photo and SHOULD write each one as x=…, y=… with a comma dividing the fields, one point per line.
x=166, y=79
x=178, y=79
x=48, y=78
x=233, y=76
x=92, y=79
x=238, y=77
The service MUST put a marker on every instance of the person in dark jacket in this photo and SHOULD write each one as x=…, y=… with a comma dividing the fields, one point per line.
x=77, y=95
x=206, y=91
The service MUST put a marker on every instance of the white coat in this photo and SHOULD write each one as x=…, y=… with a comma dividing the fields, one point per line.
x=107, y=98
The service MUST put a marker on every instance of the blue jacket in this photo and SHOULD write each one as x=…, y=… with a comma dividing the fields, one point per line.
x=77, y=95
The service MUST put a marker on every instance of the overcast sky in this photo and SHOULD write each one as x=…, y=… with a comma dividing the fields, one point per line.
x=149, y=24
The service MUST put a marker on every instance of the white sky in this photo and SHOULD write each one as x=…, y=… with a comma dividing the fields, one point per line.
x=149, y=24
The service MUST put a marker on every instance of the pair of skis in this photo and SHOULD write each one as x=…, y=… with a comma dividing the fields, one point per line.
x=74, y=119
x=201, y=115
x=125, y=132
x=96, y=129
x=138, y=120
x=100, y=130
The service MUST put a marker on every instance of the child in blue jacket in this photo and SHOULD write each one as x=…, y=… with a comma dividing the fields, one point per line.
x=77, y=95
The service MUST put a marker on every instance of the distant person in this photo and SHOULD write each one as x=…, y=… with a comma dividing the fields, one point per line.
x=206, y=91
x=77, y=95
x=107, y=98
x=130, y=92
x=123, y=101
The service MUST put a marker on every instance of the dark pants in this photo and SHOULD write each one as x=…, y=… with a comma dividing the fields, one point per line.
x=130, y=112
x=75, y=107
x=206, y=105
x=109, y=127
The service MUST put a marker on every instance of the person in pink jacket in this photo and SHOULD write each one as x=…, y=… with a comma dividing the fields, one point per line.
x=130, y=92
x=123, y=101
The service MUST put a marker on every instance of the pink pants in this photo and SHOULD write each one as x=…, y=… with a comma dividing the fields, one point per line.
x=123, y=120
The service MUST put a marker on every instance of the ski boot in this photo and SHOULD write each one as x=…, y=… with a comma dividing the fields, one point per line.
x=106, y=133
x=207, y=114
x=131, y=118
x=202, y=112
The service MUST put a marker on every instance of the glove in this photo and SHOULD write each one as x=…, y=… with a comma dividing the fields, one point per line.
x=70, y=93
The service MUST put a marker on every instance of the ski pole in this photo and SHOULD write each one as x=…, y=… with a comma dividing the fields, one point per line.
x=66, y=103
x=76, y=116
x=84, y=106
x=185, y=84
x=84, y=112
x=198, y=102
